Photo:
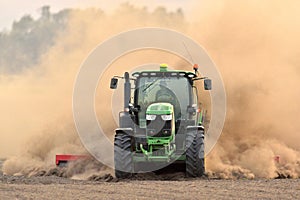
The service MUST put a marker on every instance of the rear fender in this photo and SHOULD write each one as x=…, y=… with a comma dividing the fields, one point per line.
x=125, y=120
x=127, y=131
x=199, y=129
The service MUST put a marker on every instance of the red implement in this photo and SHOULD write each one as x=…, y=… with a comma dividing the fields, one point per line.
x=63, y=159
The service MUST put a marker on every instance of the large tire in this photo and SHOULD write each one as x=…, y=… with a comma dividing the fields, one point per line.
x=123, y=156
x=195, y=163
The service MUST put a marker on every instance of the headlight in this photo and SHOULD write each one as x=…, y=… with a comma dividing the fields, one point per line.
x=166, y=117
x=150, y=117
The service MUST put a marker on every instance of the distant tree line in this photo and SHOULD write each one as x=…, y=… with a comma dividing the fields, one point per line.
x=29, y=39
x=23, y=45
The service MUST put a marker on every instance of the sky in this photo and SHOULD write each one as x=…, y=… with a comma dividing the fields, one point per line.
x=13, y=10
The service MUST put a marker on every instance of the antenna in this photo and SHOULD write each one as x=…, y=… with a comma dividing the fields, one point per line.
x=188, y=52
x=195, y=67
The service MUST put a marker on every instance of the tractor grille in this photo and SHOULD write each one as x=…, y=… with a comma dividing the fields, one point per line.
x=159, y=127
x=159, y=152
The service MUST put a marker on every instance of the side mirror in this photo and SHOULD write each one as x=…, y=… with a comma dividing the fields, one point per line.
x=207, y=84
x=113, y=83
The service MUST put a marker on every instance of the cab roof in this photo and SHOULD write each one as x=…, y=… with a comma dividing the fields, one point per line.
x=164, y=72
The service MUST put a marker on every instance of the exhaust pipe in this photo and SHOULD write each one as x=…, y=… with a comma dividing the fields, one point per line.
x=127, y=87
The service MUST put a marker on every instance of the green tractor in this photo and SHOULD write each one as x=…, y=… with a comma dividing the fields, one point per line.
x=161, y=123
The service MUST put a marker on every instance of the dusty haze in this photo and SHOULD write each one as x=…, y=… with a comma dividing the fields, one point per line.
x=255, y=45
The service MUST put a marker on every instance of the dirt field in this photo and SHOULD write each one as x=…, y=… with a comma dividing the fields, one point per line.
x=61, y=188
x=146, y=187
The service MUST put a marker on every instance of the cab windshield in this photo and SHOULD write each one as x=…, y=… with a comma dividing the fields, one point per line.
x=174, y=90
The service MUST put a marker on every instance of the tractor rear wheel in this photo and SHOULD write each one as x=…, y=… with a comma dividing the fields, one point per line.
x=123, y=156
x=195, y=166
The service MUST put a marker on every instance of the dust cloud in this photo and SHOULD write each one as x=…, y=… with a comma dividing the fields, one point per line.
x=36, y=105
x=255, y=45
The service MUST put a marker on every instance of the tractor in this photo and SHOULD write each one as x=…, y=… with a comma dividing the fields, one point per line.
x=161, y=123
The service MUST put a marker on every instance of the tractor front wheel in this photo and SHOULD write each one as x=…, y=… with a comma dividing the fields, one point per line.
x=195, y=166
x=123, y=156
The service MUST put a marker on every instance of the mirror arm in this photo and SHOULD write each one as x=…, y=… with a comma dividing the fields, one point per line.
x=121, y=77
x=201, y=78
x=118, y=77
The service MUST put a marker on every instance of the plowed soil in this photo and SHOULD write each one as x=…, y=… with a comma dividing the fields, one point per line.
x=174, y=186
